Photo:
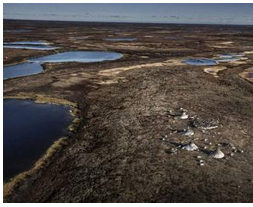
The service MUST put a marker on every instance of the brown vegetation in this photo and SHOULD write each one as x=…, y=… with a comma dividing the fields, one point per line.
x=117, y=154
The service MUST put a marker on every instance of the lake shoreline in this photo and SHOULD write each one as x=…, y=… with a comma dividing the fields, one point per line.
x=52, y=151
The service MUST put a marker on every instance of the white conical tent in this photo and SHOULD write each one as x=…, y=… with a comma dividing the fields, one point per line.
x=190, y=146
x=217, y=154
x=184, y=115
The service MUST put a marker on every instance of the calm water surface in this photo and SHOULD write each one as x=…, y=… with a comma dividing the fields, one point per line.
x=33, y=66
x=229, y=57
x=76, y=56
x=33, y=45
x=200, y=61
x=29, y=129
x=28, y=43
x=22, y=69
x=222, y=58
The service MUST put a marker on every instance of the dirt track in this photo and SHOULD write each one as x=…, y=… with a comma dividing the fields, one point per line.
x=117, y=154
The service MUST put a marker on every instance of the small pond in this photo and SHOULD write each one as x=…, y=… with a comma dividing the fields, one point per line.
x=33, y=45
x=29, y=129
x=28, y=43
x=224, y=60
x=250, y=74
x=200, y=61
x=228, y=57
x=205, y=61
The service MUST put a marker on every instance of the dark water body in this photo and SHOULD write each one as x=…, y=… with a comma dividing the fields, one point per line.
x=22, y=69
x=85, y=57
x=29, y=129
x=200, y=61
x=123, y=39
x=33, y=66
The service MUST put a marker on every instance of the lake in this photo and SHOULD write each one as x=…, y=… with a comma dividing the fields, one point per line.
x=21, y=69
x=29, y=129
x=33, y=45
x=33, y=66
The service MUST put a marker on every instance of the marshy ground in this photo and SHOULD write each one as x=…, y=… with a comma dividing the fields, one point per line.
x=120, y=152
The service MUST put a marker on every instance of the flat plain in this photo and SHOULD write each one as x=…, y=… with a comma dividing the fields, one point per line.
x=126, y=143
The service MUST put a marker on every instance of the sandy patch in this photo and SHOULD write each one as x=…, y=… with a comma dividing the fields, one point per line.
x=111, y=74
x=247, y=74
x=239, y=62
x=113, y=81
x=214, y=70
x=144, y=57
x=116, y=71
x=174, y=62
x=248, y=52
x=226, y=43
x=220, y=46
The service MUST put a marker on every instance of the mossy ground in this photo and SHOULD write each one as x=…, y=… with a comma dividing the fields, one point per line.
x=117, y=154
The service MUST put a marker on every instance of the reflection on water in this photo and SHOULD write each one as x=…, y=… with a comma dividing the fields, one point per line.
x=27, y=43
x=31, y=47
x=86, y=56
x=33, y=66
x=34, y=45
x=222, y=58
x=28, y=131
x=22, y=69
x=229, y=57
x=200, y=61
